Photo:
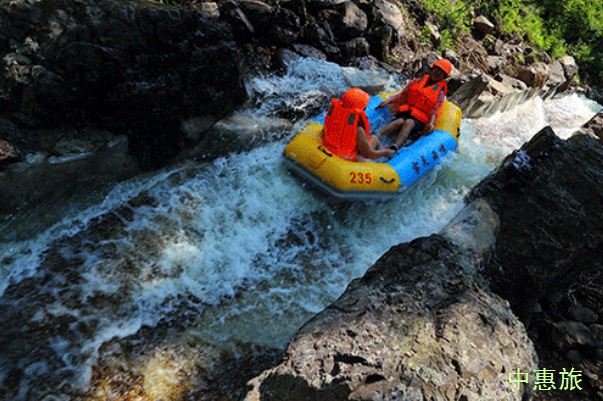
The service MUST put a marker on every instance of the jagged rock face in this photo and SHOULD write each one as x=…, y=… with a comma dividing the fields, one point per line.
x=594, y=127
x=415, y=327
x=143, y=70
x=551, y=221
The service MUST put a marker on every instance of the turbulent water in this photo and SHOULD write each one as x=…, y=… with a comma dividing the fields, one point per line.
x=141, y=293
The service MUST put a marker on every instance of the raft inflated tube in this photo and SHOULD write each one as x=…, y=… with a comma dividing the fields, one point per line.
x=371, y=181
x=335, y=176
x=414, y=161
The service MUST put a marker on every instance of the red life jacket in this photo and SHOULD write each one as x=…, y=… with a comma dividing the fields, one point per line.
x=340, y=129
x=421, y=99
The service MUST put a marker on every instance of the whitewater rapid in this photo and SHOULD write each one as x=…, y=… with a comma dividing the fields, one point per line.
x=237, y=245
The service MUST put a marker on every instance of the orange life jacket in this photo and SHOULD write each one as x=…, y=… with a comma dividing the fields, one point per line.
x=421, y=100
x=340, y=129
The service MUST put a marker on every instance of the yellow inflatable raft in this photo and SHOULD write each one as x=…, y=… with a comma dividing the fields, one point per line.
x=344, y=180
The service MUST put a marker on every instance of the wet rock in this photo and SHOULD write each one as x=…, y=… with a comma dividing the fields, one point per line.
x=482, y=96
x=78, y=162
x=594, y=127
x=241, y=132
x=543, y=246
x=416, y=326
x=570, y=334
x=583, y=314
x=308, y=51
x=367, y=79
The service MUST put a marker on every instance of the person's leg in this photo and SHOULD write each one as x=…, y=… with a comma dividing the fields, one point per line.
x=374, y=142
x=391, y=128
x=406, y=128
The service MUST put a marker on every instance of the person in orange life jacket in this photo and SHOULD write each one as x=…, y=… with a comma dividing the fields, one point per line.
x=418, y=104
x=346, y=128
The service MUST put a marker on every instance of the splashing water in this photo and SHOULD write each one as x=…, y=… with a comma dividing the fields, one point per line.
x=219, y=254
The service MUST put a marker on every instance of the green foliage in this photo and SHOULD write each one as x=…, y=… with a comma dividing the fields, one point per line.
x=447, y=40
x=572, y=27
x=425, y=34
x=453, y=16
x=576, y=27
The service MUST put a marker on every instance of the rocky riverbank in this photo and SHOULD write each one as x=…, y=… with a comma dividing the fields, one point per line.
x=135, y=83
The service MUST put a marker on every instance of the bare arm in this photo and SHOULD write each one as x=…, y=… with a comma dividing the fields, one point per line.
x=400, y=98
x=435, y=111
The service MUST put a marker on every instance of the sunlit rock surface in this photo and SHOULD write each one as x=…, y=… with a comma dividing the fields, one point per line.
x=417, y=325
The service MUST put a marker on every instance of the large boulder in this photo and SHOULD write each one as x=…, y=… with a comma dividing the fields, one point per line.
x=350, y=21
x=390, y=15
x=551, y=222
x=140, y=70
x=417, y=326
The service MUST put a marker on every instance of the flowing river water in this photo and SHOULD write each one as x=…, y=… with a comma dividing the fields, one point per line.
x=142, y=293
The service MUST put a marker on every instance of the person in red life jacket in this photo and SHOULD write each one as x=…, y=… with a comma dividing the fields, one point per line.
x=346, y=128
x=417, y=106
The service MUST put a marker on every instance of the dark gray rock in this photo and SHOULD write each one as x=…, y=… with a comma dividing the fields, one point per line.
x=80, y=162
x=349, y=22
x=594, y=127
x=551, y=225
x=583, y=314
x=136, y=69
x=570, y=334
x=597, y=330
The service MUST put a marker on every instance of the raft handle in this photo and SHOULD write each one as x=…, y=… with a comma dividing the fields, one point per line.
x=387, y=181
x=323, y=150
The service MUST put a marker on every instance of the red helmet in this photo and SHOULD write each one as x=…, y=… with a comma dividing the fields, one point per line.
x=444, y=64
x=355, y=99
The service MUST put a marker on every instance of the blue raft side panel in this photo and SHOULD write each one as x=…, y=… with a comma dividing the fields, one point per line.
x=414, y=161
